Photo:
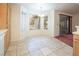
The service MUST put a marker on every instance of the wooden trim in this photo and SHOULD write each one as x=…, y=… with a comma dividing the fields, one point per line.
x=71, y=24
x=65, y=15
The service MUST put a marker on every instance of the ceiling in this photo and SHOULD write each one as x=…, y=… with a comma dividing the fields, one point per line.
x=71, y=8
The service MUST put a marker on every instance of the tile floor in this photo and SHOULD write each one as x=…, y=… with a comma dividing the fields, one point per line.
x=39, y=46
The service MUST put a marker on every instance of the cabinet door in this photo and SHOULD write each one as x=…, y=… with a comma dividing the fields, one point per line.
x=76, y=48
x=3, y=15
x=6, y=41
x=7, y=36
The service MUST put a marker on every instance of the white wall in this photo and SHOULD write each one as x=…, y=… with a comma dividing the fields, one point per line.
x=17, y=34
x=53, y=24
x=15, y=22
x=75, y=21
x=30, y=33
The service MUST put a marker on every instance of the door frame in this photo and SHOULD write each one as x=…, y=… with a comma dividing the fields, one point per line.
x=70, y=23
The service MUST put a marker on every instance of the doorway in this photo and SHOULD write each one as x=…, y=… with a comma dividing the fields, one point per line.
x=65, y=24
x=65, y=32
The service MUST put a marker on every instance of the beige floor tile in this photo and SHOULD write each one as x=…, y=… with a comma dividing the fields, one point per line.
x=30, y=49
x=12, y=48
x=68, y=50
x=54, y=46
x=20, y=46
x=11, y=53
x=46, y=51
x=21, y=52
x=39, y=46
x=70, y=54
x=34, y=47
x=36, y=53
x=60, y=52
x=14, y=43
x=52, y=54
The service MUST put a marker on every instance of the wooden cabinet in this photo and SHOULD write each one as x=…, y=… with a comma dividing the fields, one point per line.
x=3, y=16
x=6, y=42
x=76, y=45
x=5, y=23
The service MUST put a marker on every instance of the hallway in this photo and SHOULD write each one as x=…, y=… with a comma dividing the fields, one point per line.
x=39, y=46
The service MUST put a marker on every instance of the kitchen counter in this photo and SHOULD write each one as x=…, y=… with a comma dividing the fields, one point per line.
x=77, y=30
x=76, y=43
x=2, y=31
x=76, y=33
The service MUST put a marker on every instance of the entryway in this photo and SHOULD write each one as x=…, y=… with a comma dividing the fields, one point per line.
x=65, y=32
